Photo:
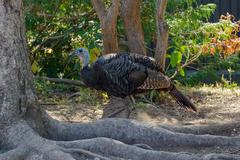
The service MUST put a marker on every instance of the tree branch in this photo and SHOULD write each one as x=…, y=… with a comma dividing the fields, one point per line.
x=187, y=62
x=66, y=81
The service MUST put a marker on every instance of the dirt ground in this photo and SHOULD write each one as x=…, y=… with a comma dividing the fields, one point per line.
x=215, y=106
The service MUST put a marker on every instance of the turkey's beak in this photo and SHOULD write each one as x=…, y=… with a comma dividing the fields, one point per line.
x=70, y=57
x=72, y=54
x=75, y=53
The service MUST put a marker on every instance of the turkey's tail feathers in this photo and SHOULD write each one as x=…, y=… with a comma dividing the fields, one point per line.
x=182, y=100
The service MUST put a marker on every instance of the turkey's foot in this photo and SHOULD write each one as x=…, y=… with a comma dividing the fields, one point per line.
x=128, y=107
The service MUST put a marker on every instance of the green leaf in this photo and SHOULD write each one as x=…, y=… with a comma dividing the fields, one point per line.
x=182, y=72
x=35, y=68
x=176, y=58
x=183, y=48
x=63, y=7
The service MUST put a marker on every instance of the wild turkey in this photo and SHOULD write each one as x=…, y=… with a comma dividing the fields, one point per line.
x=126, y=74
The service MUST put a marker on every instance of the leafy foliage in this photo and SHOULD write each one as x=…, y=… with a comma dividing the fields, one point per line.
x=210, y=71
x=185, y=34
x=54, y=29
x=224, y=37
x=185, y=18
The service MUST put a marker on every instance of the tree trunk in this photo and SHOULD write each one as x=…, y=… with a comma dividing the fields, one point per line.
x=162, y=34
x=27, y=132
x=108, y=21
x=16, y=88
x=130, y=13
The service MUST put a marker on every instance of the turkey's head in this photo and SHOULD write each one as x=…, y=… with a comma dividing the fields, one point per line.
x=83, y=55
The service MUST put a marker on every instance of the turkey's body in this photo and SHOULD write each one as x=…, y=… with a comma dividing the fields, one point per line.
x=125, y=74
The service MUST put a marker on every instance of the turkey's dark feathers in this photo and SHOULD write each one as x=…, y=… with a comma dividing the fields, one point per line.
x=121, y=74
x=138, y=77
x=125, y=74
x=137, y=58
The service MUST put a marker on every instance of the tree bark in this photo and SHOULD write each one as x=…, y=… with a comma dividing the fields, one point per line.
x=162, y=33
x=130, y=13
x=16, y=88
x=27, y=132
x=108, y=21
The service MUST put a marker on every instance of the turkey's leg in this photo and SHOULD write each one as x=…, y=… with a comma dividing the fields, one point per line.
x=131, y=106
x=128, y=107
x=132, y=99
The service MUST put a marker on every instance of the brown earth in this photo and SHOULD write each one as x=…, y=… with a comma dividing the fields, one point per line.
x=214, y=105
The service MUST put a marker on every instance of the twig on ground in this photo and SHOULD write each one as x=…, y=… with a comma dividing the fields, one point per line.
x=66, y=81
x=74, y=95
x=116, y=112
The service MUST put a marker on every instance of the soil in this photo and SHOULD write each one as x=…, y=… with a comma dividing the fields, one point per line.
x=215, y=105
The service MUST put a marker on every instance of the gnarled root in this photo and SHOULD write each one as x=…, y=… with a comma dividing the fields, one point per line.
x=38, y=148
x=106, y=139
x=133, y=132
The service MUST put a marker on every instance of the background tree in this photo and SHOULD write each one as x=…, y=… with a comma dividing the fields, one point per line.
x=27, y=132
x=162, y=34
x=108, y=20
x=130, y=14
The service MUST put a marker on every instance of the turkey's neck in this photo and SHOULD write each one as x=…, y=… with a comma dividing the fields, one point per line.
x=85, y=63
x=87, y=75
x=86, y=60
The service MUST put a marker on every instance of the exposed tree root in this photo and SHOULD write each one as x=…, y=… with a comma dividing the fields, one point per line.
x=85, y=152
x=94, y=140
x=37, y=148
x=105, y=139
x=213, y=129
x=15, y=154
x=133, y=132
x=118, y=149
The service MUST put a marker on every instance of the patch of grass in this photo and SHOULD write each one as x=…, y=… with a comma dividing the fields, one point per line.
x=228, y=83
x=92, y=97
x=57, y=93
x=45, y=87
x=140, y=105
